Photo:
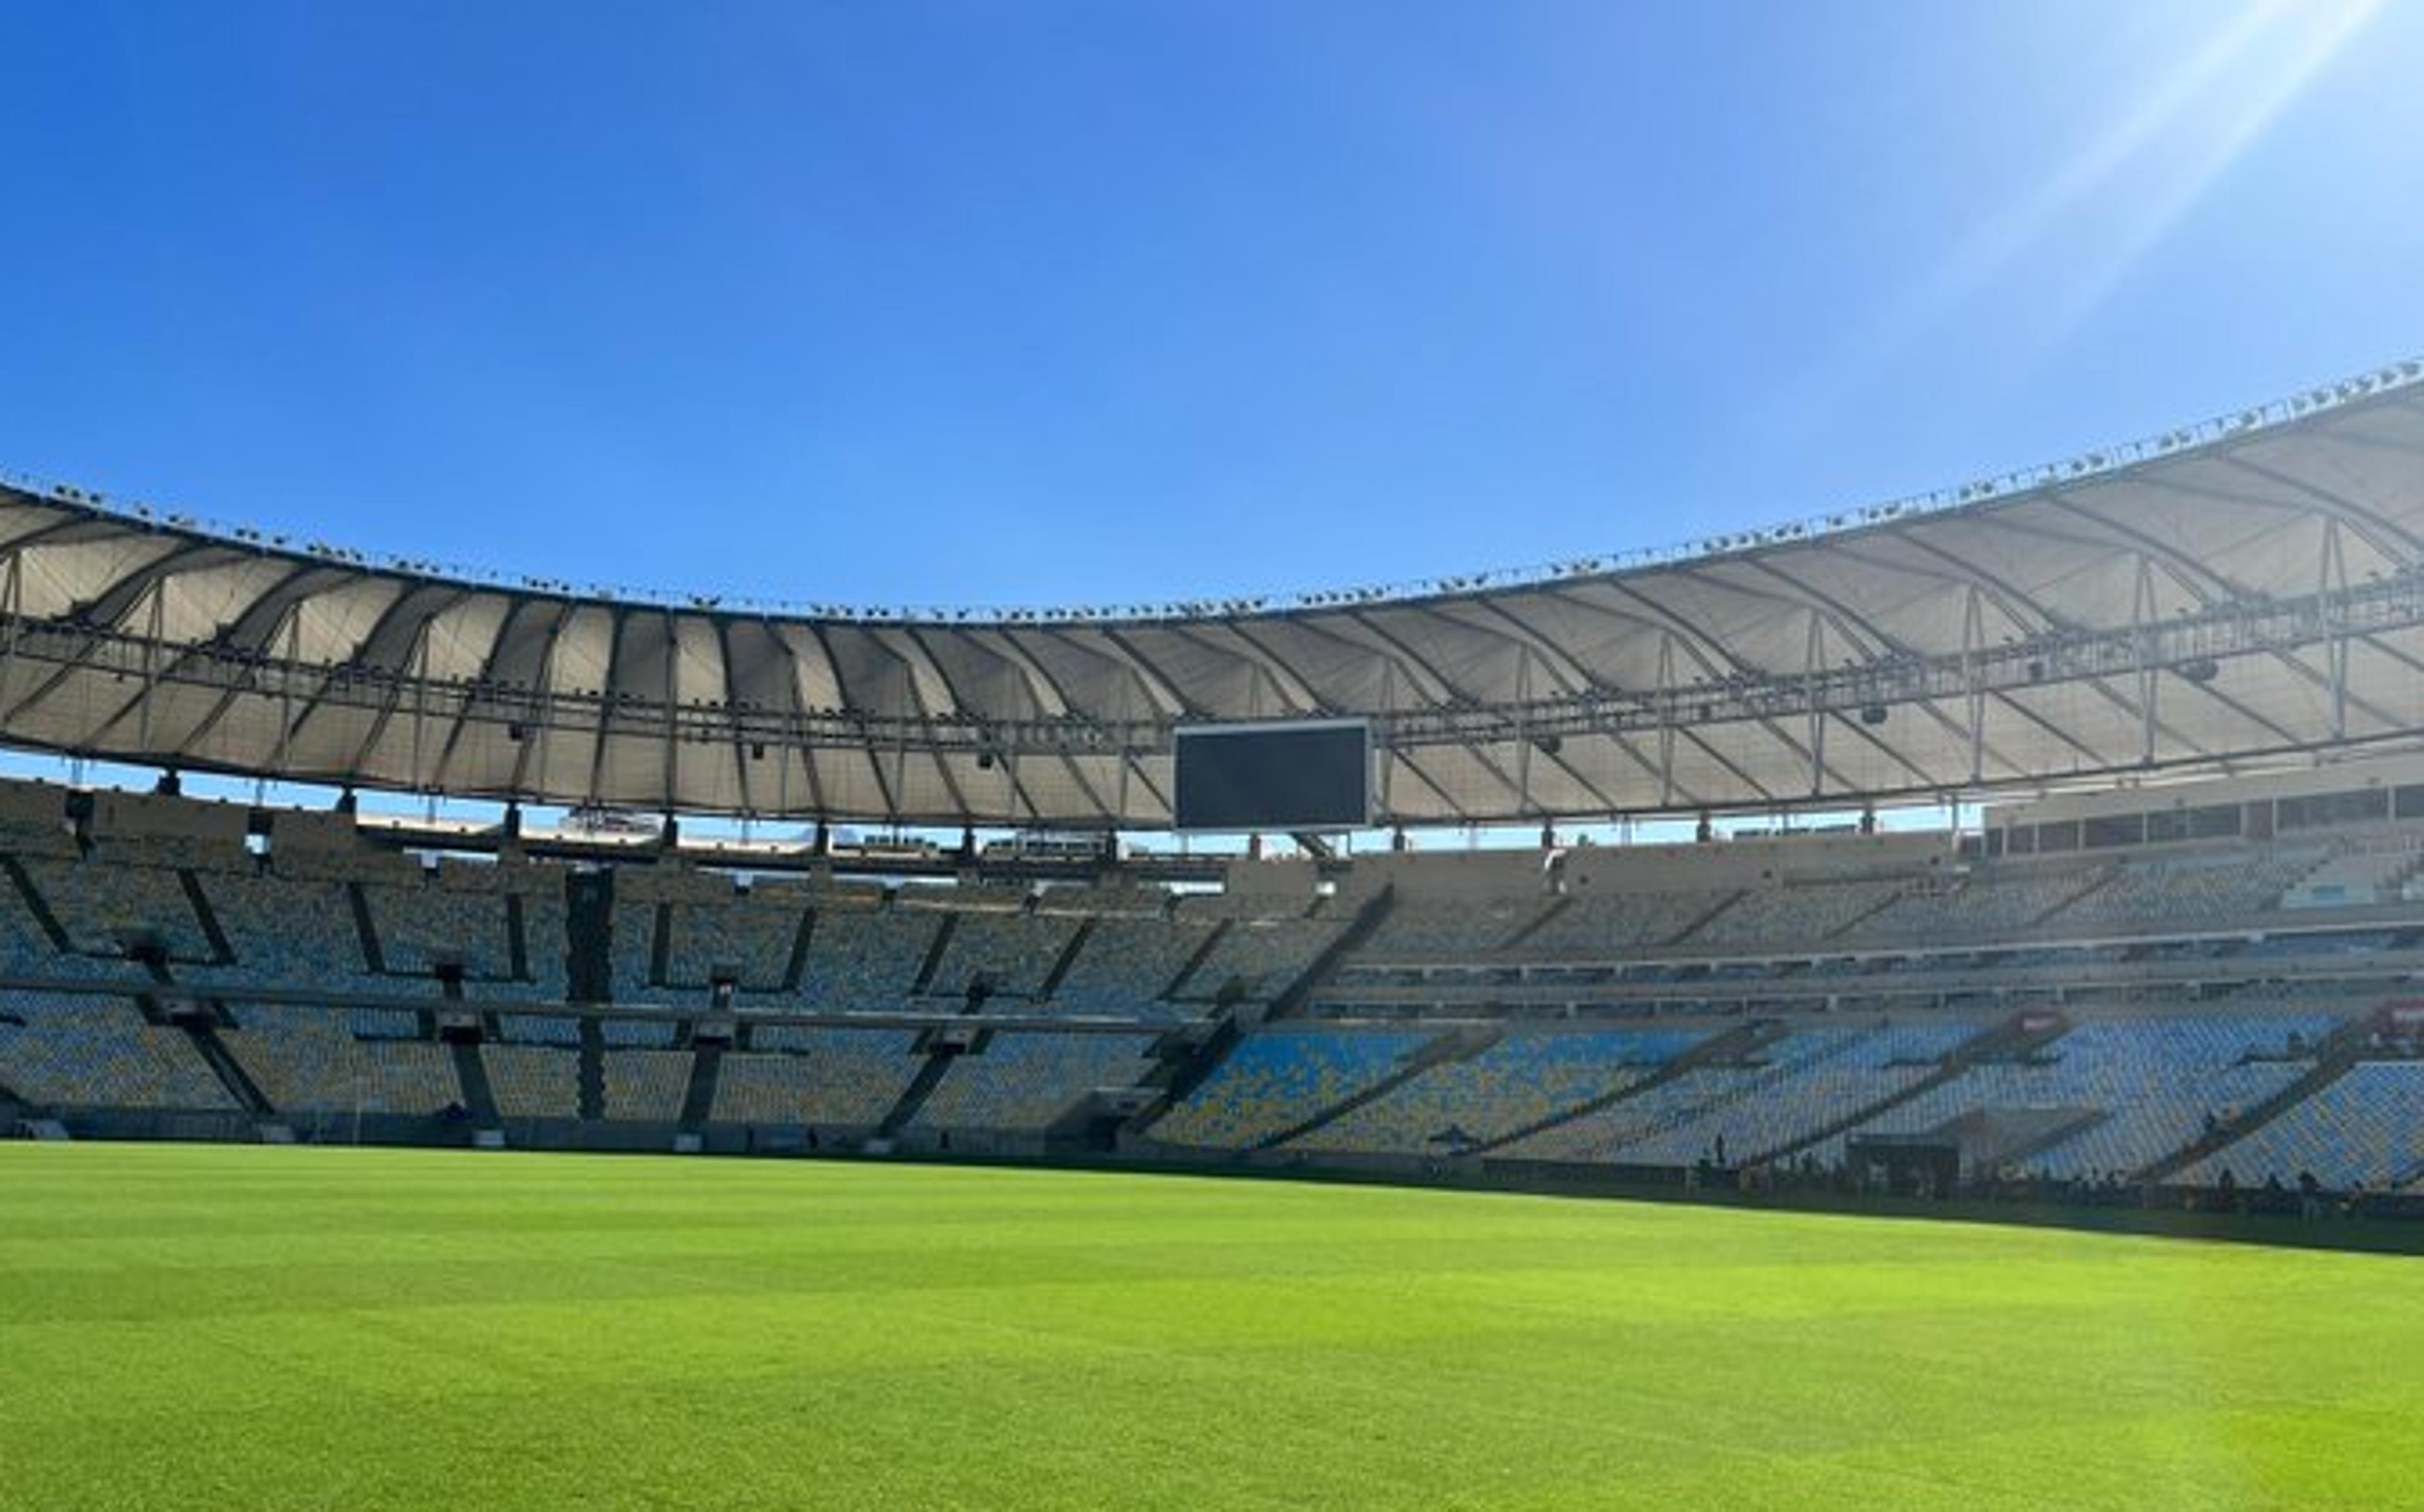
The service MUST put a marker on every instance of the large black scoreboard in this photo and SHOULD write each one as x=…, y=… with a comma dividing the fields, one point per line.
x=1297, y=774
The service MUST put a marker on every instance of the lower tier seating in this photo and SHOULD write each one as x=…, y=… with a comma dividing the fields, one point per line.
x=1280, y=1078
x=1026, y=1081
x=842, y=1078
x=647, y=1085
x=309, y=1060
x=2365, y=1129
x=1516, y=1082
x=2133, y=1090
x=533, y=1082
x=1834, y=1074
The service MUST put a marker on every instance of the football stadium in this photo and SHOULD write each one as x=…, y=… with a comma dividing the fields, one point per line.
x=1914, y=1004
x=931, y=1127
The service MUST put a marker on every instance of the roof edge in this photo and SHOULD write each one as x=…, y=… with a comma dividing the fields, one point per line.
x=2083, y=468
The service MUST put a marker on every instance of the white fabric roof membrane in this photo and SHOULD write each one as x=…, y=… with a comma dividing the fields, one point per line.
x=2243, y=592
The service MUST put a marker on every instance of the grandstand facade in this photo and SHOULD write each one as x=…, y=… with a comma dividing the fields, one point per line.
x=2180, y=952
x=2128, y=1012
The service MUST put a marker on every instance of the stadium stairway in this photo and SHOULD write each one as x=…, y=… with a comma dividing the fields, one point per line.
x=1067, y=959
x=1851, y=927
x=374, y=954
x=661, y=947
x=37, y=906
x=593, y=1070
x=215, y=1055
x=2012, y=1037
x=588, y=943
x=935, y=952
x=222, y=952
x=1720, y=1049
x=803, y=940
x=942, y=1050
x=2096, y=883
x=2055, y=1126
x=2334, y=1057
x=1707, y=917
x=913, y=1097
x=479, y=1098
x=1457, y=1044
x=698, y=1099
x=1323, y=966
x=1203, y=952
x=1534, y=924
x=1185, y=1062
x=518, y=942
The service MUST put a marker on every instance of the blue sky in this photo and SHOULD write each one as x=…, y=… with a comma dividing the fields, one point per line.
x=1099, y=302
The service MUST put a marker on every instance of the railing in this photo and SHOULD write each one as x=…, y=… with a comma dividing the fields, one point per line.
x=2195, y=647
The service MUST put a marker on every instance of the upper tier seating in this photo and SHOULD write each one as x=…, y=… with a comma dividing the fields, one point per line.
x=546, y=948
x=1013, y=953
x=1792, y=914
x=421, y=925
x=2188, y=891
x=284, y=932
x=96, y=1052
x=1596, y=925
x=26, y=949
x=1258, y=959
x=1127, y=965
x=746, y=940
x=1419, y=928
x=1991, y=904
x=104, y=907
x=863, y=961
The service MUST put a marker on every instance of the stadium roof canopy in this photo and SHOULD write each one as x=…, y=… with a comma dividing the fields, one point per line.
x=2242, y=592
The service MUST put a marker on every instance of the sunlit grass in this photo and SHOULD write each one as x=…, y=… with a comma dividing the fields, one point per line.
x=259, y=1329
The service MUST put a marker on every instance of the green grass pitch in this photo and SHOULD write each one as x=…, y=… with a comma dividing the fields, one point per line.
x=186, y=1326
